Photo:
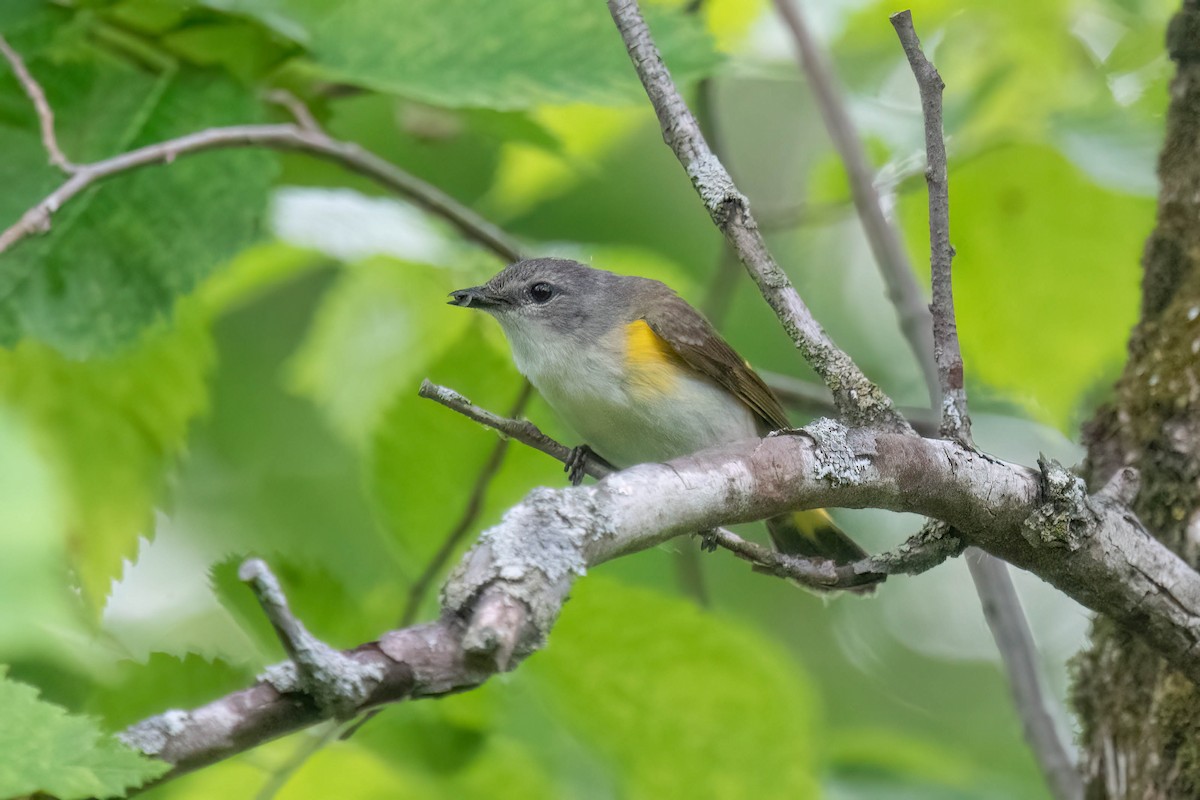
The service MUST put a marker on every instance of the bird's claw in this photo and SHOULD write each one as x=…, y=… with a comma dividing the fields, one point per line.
x=576, y=464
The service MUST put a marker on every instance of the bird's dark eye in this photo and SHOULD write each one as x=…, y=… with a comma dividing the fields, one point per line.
x=541, y=292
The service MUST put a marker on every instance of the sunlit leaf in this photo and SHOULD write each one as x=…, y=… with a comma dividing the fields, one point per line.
x=34, y=568
x=111, y=427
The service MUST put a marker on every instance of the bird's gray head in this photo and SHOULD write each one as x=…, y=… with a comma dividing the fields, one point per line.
x=544, y=297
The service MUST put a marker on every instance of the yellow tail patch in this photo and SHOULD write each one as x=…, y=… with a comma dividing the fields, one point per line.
x=811, y=522
x=653, y=367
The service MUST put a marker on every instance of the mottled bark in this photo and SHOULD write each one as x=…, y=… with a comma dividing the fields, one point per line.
x=1140, y=718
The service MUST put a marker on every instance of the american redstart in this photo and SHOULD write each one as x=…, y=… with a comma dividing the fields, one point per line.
x=640, y=375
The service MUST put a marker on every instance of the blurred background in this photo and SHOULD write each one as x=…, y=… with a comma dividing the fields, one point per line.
x=219, y=358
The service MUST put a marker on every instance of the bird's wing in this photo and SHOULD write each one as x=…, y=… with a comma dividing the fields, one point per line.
x=697, y=342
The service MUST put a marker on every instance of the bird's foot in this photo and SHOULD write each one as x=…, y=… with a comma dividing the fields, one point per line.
x=576, y=465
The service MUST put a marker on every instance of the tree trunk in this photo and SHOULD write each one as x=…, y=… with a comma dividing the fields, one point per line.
x=1140, y=719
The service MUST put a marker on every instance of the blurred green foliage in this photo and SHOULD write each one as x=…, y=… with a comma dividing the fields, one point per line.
x=218, y=357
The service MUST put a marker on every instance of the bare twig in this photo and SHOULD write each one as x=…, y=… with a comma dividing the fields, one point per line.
x=1015, y=642
x=857, y=398
x=1001, y=606
x=920, y=553
x=300, y=112
x=956, y=423
x=278, y=137
x=885, y=241
x=45, y=114
x=522, y=430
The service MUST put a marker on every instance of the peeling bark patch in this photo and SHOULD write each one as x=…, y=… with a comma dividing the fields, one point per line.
x=1064, y=515
x=716, y=188
x=834, y=459
x=538, y=546
x=150, y=736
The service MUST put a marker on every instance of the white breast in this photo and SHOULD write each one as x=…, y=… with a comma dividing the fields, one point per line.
x=584, y=383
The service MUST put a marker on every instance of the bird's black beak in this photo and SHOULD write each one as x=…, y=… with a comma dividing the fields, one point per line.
x=475, y=297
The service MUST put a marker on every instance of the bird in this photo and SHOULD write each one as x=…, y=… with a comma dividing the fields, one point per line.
x=640, y=375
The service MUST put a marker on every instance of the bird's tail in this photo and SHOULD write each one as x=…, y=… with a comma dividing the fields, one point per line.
x=813, y=534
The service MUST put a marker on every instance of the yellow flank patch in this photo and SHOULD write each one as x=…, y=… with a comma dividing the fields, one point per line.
x=653, y=367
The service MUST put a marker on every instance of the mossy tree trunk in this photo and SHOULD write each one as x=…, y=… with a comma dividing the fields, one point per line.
x=1141, y=719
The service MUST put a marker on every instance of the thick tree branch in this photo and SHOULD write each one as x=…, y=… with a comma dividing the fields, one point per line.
x=858, y=399
x=882, y=236
x=45, y=114
x=279, y=137
x=501, y=601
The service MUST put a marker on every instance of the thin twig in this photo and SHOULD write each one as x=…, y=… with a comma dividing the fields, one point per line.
x=1001, y=606
x=859, y=400
x=45, y=114
x=1015, y=642
x=956, y=424
x=882, y=236
x=306, y=136
x=920, y=553
x=279, y=137
x=294, y=106
x=522, y=430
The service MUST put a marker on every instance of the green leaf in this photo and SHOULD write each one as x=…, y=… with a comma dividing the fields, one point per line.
x=514, y=54
x=15, y=13
x=242, y=48
x=45, y=749
x=1045, y=274
x=117, y=257
x=679, y=702
x=111, y=426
